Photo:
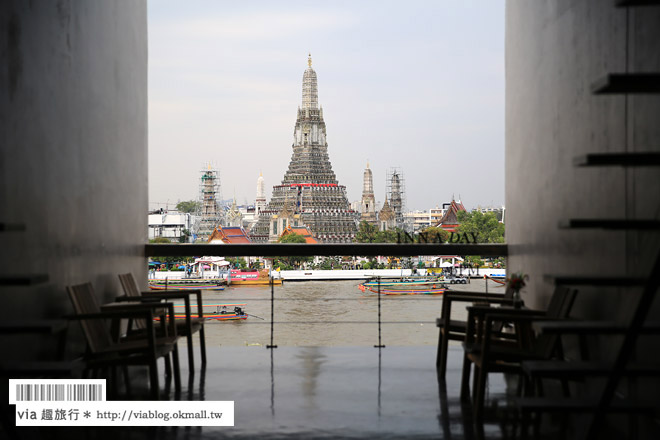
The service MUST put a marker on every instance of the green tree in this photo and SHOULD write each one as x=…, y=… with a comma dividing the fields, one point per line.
x=367, y=233
x=188, y=206
x=237, y=262
x=160, y=240
x=184, y=236
x=474, y=260
x=288, y=263
x=487, y=227
x=434, y=234
x=292, y=238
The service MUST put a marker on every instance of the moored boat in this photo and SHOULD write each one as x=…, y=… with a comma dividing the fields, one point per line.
x=187, y=284
x=399, y=290
x=242, y=277
x=421, y=284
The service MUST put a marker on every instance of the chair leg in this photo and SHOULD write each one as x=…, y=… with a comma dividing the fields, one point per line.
x=191, y=355
x=465, y=378
x=153, y=379
x=177, y=369
x=438, y=356
x=444, y=354
x=168, y=367
x=479, y=394
x=475, y=382
x=127, y=382
x=202, y=343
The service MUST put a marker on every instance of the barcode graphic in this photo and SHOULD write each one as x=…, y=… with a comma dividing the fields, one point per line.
x=59, y=392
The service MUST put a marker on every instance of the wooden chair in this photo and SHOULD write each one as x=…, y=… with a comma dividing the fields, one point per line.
x=104, y=351
x=450, y=329
x=187, y=327
x=489, y=354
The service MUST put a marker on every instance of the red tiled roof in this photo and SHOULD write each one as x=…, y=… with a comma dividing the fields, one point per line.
x=300, y=230
x=230, y=235
x=450, y=219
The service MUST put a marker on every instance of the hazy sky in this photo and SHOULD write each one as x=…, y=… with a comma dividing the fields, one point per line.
x=417, y=85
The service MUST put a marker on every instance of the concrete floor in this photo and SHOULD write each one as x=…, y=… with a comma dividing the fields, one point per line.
x=326, y=393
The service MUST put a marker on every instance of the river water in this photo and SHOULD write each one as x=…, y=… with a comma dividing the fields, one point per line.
x=330, y=313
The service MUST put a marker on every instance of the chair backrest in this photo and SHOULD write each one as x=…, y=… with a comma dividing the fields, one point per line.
x=130, y=287
x=84, y=301
x=498, y=326
x=559, y=308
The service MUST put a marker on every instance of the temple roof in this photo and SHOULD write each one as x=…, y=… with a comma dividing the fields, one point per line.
x=300, y=230
x=229, y=235
x=450, y=219
x=386, y=212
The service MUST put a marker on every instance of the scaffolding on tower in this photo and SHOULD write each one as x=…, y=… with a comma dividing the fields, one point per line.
x=395, y=185
x=210, y=213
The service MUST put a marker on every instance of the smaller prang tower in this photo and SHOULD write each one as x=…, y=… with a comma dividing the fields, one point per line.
x=209, y=213
x=260, y=202
x=396, y=194
x=368, y=204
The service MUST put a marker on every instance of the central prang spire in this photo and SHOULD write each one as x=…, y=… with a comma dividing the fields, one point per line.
x=310, y=96
x=309, y=193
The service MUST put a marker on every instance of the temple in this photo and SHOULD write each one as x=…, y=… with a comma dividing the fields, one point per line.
x=309, y=187
x=368, y=204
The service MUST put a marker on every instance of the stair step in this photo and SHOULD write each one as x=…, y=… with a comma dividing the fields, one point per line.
x=624, y=83
x=583, y=223
x=582, y=327
x=564, y=369
x=573, y=404
x=595, y=280
x=22, y=280
x=631, y=3
x=618, y=159
x=4, y=227
x=48, y=326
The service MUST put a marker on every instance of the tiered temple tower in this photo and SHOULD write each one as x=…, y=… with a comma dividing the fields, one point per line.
x=310, y=181
x=368, y=205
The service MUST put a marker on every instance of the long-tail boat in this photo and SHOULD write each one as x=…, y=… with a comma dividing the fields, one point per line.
x=221, y=312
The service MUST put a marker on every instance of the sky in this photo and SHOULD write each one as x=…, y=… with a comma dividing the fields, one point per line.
x=418, y=86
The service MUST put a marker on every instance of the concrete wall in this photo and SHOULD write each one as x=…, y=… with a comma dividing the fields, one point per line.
x=73, y=161
x=555, y=50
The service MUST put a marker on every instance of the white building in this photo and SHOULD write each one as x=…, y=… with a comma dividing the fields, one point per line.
x=498, y=211
x=421, y=220
x=169, y=224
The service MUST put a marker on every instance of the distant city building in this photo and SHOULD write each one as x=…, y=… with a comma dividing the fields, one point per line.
x=498, y=211
x=318, y=199
x=368, y=203
x=169, y=224
x=421, y=220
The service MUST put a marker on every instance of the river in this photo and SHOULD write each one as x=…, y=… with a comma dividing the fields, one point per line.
x=327, y=313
